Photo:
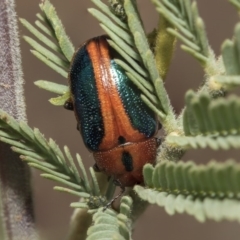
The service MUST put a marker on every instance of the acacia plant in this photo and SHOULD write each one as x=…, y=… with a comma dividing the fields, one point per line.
x=210, y=119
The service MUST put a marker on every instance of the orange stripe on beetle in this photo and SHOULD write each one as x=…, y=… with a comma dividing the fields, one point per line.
x=115, y=123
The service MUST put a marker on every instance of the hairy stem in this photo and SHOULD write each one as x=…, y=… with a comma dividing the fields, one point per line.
x=16, y=200
x=80, y=222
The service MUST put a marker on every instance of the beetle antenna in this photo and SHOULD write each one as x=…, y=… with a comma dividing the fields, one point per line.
x=117, y=183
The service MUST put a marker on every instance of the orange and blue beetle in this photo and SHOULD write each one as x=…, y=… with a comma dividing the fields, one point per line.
x=115, y=124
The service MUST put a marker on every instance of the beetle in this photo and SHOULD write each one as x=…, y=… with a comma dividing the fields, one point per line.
x=115, y=124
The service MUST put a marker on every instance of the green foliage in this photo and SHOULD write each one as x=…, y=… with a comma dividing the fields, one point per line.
x=215, y=123
x=111, y=225
x=226, y=82
x=63, y=90
x=211, y=117
x=214, y=180
x=59, y=63
x=215, y=143
x=205, y=191
x=55, y=23
x=231, y=53
x=187, y=26
x=214, y=209
x=46, y=156
x=55, y=50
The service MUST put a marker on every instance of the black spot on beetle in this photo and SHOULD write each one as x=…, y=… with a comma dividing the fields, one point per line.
x=121, y=140
x=127, y=161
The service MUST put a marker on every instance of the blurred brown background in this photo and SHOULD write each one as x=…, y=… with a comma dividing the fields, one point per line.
x=52, y=208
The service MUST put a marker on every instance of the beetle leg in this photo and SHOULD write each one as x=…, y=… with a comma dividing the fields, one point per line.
x=119, y=184
x=96, y=168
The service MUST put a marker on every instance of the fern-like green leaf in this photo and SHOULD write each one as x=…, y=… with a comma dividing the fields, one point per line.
x=227, y=82
x=55, y=23
x=187, y=187
x=188, y=26
x=56, y=55
x=214, y=209
x=52, y=87
x=211, y=117
x=57, y=166
x=48, y=31
x=214, y=180
x=215, y=143
x=110, y=225
x=63, y=90
x=230, y=53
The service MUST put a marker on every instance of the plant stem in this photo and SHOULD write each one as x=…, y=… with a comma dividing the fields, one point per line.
x=16, y=200
x=80, y=222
